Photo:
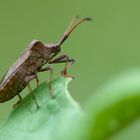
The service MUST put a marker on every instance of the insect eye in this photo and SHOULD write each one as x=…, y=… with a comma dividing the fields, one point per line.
x=56, y=49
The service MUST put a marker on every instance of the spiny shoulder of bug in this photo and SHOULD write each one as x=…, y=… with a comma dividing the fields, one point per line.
x=45, y=50
x=54, y=48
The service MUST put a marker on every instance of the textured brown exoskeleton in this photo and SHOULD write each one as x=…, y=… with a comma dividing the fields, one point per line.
x=30, y=63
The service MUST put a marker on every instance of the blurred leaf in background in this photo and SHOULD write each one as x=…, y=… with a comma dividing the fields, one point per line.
x=115, y=109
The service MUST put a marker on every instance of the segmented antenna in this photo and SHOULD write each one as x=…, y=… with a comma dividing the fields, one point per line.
x=69, y=30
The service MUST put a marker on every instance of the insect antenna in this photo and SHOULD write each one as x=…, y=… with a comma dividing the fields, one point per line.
x=69, y=30
x=72, y=22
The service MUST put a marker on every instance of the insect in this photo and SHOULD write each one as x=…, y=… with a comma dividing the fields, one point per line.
x=31, y=62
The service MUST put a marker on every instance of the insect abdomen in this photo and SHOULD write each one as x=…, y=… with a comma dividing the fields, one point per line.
x=12, y=87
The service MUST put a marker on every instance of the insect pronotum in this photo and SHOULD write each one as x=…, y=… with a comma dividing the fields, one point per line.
x=35, y=56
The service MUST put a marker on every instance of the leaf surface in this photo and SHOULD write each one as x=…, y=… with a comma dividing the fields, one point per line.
x=26, y=122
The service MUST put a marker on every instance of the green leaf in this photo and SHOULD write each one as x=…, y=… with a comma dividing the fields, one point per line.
x=26, y=122
x=114, y=111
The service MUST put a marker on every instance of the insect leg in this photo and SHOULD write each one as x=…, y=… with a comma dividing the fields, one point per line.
x=37, y=80
x=63, y=59
x=33, y=95
x=49, y=68
x=31, y=77
x=20, y=99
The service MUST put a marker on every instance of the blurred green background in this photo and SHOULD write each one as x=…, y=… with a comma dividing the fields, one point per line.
x=102, y=48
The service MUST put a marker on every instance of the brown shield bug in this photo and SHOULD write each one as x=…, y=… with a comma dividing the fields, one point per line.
x=35, y=56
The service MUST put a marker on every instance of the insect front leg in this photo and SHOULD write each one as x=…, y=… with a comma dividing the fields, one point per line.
x=63, y=59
